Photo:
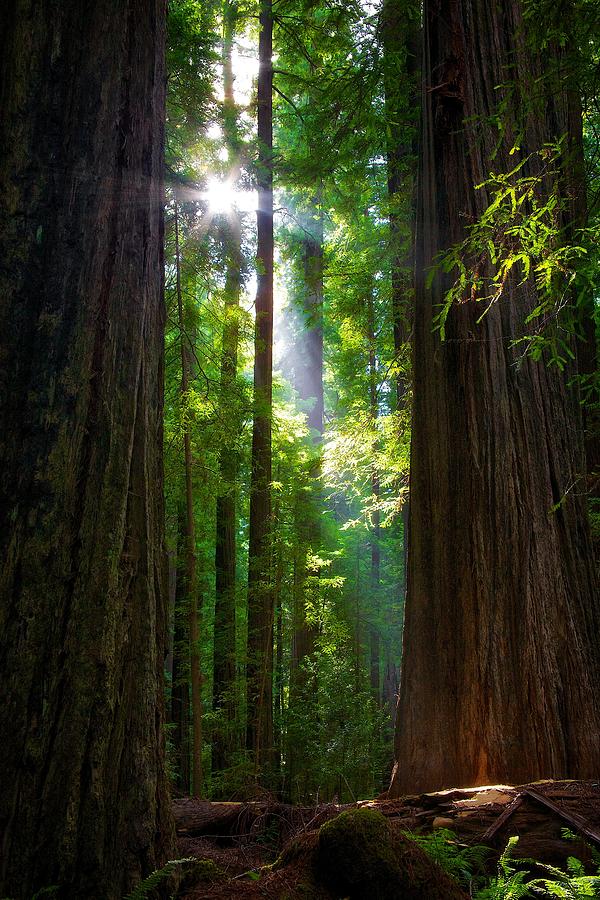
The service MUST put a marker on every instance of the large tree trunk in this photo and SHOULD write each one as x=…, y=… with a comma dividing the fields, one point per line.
x=401, y=54
x=83, y=798
x=400, y=36
x=501, y=670
x=260, y=588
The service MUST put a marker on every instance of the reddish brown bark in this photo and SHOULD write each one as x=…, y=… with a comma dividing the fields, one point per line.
x=500, y=670
x=83, y=799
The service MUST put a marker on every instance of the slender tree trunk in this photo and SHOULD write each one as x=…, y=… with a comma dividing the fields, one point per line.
x=224, y=737
x=279, y=669
x=83, y=603
x=308, y=378
x=374, y=627
x=180, y=692
x=500, y=670
x=190, y=542
x=260, y=590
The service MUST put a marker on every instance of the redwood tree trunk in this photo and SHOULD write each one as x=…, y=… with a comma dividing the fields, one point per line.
x=501, y=671
x=83, y=798
x=260, y=588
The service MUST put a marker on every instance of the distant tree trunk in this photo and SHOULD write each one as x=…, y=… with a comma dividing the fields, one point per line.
x=190, y=540
x=224, y=737
x=260, y=589
x=374, y=627
x=308, y=381
x=83, y=602
x=224, y=734
x=500, y=670
x=180, y=691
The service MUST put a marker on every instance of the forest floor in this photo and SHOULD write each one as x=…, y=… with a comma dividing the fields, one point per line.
x=265, y=849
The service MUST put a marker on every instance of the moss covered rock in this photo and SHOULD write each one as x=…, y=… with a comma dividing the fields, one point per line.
x=359, y=855
x=200, y=871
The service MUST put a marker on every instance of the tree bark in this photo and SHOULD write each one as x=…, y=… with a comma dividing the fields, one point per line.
x=260, y=589
x=83, y=613
x=401, y=53
x=500, y=670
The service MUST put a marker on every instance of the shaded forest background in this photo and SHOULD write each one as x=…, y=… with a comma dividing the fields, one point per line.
x=340, y=397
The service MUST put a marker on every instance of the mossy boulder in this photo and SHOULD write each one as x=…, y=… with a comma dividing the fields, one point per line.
x=359, y=855
x=200, y=871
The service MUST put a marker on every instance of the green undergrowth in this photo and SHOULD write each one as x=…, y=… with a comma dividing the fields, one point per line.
x=515, y=878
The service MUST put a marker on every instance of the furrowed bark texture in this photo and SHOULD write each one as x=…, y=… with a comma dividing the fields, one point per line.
x=83, y=798
x=260, y=590
x=500, y=671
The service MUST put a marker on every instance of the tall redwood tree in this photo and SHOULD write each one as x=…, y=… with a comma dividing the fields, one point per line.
x=501, y=670
x=83, y=800
x=259, y=731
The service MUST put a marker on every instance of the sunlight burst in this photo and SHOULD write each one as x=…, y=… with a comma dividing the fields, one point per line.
x=222, y=197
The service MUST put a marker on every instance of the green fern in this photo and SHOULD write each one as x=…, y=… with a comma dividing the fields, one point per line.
x=145, y=887
x=571, y=885
x=463, y=862
x=511, y=882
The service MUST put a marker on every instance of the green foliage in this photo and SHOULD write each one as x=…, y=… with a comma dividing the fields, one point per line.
x=466, y=863
x=514, y=878
x=326, y=509
x=520, y=235
x=146, y=887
